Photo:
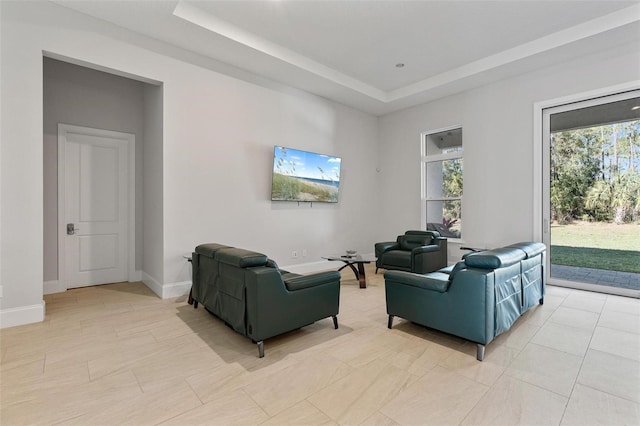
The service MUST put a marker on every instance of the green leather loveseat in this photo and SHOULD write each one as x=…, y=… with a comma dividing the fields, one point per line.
x=254, y=297
x=477, y=299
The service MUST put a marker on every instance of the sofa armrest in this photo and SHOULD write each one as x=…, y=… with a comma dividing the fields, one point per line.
x=312, y=280
x=385, y=246
x=435, y=281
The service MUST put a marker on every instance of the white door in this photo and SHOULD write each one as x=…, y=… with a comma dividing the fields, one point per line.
x=94, y=215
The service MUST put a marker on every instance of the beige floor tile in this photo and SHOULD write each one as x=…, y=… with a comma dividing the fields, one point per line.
x=148, y=408
x=34, y=380
x=564, y=338
x=576, y=318
x=353, y=398
x=236, y=408
x=627, y=305
x=379, y=419
x=552, y=300
x=497, y=358
x=439, y=397
x=97, y=346
x=173, y=363
x=586, y=301
x=547, y=368
x=518, y=336
x=616, y=342
x=432, y=355
x=589, y=406
x=540, y=314
x=558, y=291
x=611, y=374
x=293, y=384
x=68, y=400
x=119, y=354
x=619, y=321
x=302, y=413
x=514, y=402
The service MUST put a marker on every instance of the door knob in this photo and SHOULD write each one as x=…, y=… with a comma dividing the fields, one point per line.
x=71, y=229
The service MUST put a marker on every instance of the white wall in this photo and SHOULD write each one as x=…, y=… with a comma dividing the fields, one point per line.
x=217, y=145
x=497, y=121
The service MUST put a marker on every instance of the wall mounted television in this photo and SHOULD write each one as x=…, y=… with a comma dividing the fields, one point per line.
x=304, y=176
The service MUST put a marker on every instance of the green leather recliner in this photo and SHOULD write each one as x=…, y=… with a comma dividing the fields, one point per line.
x=415, y=251
x=478, y=299
x=253, y=296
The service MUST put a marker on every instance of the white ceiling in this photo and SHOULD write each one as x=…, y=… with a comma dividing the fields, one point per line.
x=347, y=50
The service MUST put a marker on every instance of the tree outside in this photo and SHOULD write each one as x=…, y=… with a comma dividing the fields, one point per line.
x=595, y=180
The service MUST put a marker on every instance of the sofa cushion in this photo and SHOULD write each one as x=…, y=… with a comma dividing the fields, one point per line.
x=398, y=258
x=493, y=259
x=241, y=258
x=409, y=242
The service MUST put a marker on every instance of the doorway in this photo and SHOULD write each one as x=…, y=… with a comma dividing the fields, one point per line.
x=101, y=99
x=591, y=203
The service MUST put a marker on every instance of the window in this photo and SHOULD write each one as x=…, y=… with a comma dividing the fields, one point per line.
x=442, y=182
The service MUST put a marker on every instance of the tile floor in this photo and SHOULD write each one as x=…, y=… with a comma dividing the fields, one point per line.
x=117, y=354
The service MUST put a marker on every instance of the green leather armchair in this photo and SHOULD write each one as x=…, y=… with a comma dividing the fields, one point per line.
x=415, y=251
x=254, y=297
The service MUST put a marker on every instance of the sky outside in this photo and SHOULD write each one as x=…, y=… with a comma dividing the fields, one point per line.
x=293, y=162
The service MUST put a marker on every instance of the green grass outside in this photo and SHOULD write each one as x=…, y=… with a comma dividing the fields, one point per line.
x=596, y=245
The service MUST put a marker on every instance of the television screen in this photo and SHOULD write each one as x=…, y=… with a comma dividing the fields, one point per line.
x=304, y=176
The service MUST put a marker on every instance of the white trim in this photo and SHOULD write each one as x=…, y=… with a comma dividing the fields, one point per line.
x=538, y=141
x=54, y=286
x=541, y=220
x=23, y=315
x=424, y=159
x=617, y=291
x=311, y=267
x=63, y=129
x=176, y=289
x=152, y=283
x=166, y=291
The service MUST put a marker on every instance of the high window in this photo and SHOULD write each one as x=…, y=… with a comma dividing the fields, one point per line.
x=442, y=181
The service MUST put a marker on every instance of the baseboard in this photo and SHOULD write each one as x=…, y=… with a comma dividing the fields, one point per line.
x=153, y=285
x=51, y=287
x=166, y=291
x=23, y=315
x=176, y=289
x=319, y=266
x=307, y=268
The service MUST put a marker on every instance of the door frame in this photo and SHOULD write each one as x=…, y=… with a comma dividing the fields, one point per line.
x=541, y=157
x=130, y=139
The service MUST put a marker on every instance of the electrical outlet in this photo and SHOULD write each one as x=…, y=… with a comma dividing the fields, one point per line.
x=294, y=254
x=304, y=252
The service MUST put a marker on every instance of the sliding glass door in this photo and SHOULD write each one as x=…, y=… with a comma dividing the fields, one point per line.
x=591, y=193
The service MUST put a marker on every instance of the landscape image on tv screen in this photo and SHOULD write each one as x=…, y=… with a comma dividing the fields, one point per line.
x=304, y=176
